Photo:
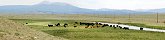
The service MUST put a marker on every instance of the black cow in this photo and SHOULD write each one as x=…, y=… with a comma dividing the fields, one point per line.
x=87, y=24
x=113, y=25
x=50, y=25
x=82, y=23
x=117, y=25
x=110, y=26
x=120, y=27
x=141, y=28
x=126, y=28
x=100, y=24
x=76, y=22
x=75, y=26
x=26, y=23
x=105, y=25
x=65, y=25
x=58, y=24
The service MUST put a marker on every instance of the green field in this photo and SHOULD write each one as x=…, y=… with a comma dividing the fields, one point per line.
x=81, y=33
x=149, y=20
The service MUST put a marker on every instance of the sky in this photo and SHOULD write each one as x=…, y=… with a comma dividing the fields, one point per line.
x=97, y=4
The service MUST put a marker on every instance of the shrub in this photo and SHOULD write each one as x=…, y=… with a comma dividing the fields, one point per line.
x=17, y=34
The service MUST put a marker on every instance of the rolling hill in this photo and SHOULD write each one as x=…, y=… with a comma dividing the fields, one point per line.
x=58, y=8
x=162, y=10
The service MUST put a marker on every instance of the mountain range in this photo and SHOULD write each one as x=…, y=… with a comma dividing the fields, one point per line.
x=64, y=8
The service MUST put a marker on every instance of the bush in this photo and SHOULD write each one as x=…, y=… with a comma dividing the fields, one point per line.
x=17, y=34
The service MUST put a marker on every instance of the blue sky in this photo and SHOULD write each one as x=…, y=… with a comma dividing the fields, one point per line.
x=97, y=4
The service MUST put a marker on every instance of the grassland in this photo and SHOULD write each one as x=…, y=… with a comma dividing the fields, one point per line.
x=40, y=21
x=81, y=33
x=147, y=19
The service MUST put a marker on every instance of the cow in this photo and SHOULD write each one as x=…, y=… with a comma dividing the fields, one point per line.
x=50, y=25
x=100, y=24
x=26, y=23
x=141, y=28
x=105, y=25
x=126, y=28
x=75, y=26
x=58, y=24
x=82, y=23
x=65, y=25
x=113, y=26
x=92, y=24
x=120, y=27
x=86, y=23
x=87, y=26
x=117, y=25
x=76, y=22
x=110, y=26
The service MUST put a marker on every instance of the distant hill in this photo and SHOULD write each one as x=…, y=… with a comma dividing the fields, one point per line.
x=162, y=10
x=64, y=8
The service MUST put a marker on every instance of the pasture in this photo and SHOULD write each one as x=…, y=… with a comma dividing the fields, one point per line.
x=81, y=33
x=149, y=20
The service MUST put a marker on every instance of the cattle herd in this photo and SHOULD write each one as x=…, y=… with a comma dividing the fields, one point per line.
x=90, y=25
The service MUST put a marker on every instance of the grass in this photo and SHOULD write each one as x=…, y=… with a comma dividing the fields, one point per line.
x=104, y=34
x=81, y=33
x=17, y=34
x=1, y=33
x=10, y=30
x=148, y=19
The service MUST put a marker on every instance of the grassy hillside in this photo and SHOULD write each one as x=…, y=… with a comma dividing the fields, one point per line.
x=10, y=30
x=81, y=33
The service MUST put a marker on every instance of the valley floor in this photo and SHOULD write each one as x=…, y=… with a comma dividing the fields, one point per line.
x=40, y=22
x=81, y=33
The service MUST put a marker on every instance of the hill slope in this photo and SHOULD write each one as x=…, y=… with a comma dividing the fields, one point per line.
x=10, y=30
x=57, y=7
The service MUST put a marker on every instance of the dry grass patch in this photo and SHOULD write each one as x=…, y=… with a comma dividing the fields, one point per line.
x=16, y=31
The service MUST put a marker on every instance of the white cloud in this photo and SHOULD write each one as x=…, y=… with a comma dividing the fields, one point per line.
x=95, y=4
